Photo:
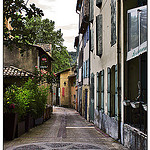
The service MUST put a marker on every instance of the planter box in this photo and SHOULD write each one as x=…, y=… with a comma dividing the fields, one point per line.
x=10, y=124
x=29, y=122
x=20, y=128
x=39, y=121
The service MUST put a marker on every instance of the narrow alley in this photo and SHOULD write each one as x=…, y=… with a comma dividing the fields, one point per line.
x=66, y=129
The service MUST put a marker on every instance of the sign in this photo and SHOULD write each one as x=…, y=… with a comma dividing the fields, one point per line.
x=44, y=60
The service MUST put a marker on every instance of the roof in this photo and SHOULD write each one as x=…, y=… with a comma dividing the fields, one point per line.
x=46, y=48
x=12, y=71
x=72, y=76
x=62, y=71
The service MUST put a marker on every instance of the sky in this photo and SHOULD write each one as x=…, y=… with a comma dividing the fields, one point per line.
x=63, y=12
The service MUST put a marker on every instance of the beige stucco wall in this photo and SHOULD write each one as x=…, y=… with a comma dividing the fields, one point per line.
x=109, y=56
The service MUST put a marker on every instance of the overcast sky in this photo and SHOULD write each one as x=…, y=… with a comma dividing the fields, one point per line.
x=63, y=12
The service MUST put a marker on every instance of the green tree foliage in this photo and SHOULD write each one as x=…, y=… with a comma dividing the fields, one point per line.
x=45, y=33
x=15, y=12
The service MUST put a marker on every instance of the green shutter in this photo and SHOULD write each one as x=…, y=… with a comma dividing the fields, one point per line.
x=113, y=22
x=91, y=18
x=116, y=92
x=92, y=86
x=99, y=47
x=98, y=91
x=102, y=90
x=108, y=90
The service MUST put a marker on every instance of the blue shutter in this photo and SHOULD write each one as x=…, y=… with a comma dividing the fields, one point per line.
x=108, y=90
x=88, y=33
x=85, y=68
x=102, y=90
x=88, y=68
x=116, y=92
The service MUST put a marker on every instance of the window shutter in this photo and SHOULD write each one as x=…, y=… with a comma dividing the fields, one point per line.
x=99, y=35
x=88, y=68
x=98, y=3
x=113, y=22
x=116, y=93
x=91, y=39
x=98, y=91
x=91, y=18
x=85, y=68
x=92, y=86
x=108, y=90
x=102, y=90
x=88, y=33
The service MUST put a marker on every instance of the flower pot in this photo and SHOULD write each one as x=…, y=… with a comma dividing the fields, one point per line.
x=126, y=102
x=10, y=123
x=144, y=107
x=20, y=128
x=135, y=104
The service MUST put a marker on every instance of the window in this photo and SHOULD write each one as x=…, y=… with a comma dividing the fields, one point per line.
x=98, y=3
x=113, y=22
x=99, y=35
x=137, y=32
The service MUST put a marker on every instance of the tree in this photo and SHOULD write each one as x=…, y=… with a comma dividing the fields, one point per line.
x=14, y=14
x=44, y=31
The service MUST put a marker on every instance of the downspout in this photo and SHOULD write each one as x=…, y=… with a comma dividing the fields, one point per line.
x=119, y=68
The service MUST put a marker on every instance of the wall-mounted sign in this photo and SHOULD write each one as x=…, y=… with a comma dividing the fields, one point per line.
x=43, y=61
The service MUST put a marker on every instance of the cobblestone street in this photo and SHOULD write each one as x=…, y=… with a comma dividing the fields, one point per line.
x=66, y=129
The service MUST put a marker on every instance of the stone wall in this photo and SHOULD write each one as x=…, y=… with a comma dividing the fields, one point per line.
x=134, y=139
x=106, y=123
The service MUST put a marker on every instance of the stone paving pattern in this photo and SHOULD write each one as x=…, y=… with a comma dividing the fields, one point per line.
x=66, y=129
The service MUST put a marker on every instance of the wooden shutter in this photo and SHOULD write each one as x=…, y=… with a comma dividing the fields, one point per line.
x=102, y=90
x=91, y=18
x=99, y=39
x=91, y=40
x=113, y=22
x=85, y=69
x=97, y=91
x=116, y=92
x=108, y=90
x=92, y=86
x=88, y=33
x=88, y=68
x=98, y=3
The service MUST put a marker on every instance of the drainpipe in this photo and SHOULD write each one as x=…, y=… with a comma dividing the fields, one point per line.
x=119, y=67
